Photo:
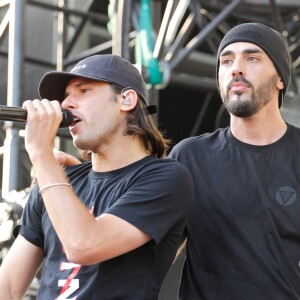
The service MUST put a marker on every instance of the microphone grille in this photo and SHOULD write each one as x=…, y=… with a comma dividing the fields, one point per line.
x=67, y=118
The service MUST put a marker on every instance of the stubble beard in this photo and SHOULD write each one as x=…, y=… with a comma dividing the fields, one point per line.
x=85, y=141
x=247, y=107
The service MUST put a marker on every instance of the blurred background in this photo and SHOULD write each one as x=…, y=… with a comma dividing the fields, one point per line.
x=173, y=43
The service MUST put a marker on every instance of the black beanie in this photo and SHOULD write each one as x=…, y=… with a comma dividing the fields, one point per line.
x=272, y=42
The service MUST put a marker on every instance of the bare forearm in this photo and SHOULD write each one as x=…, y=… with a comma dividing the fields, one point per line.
x=6, y=292
x=70, y=218
x=19, y=268
x=68, y=215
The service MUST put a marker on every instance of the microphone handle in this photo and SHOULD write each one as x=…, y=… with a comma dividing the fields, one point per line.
x=13, y=113
x=19, y=114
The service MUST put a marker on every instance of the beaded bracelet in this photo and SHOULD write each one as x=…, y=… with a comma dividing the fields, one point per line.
x=53, y=184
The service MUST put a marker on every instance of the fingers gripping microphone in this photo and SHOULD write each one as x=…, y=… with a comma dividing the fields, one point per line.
x=18, y=114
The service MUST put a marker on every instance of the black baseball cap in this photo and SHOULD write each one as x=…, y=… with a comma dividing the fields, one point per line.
x=104, y=67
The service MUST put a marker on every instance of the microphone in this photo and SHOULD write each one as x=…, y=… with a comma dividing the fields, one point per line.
x=14, y=113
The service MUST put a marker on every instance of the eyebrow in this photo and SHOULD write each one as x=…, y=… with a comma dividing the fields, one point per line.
x=246, y=51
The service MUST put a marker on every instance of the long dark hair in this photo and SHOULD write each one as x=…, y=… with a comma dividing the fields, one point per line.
x=141, y=123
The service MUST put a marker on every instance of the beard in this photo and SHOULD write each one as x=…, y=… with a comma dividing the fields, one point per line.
x=258, y=98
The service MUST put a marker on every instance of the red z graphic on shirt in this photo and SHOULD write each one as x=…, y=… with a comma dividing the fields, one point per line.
x=70, y=285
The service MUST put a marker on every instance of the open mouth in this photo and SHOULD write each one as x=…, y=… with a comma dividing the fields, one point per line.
x=75, y=121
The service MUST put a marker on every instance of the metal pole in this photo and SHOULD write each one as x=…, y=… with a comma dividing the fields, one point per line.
x=60, y=37
x=11, y=160
x=196, y=41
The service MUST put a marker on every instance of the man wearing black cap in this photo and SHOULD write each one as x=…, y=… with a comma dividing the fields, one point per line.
x=108, y=228
x=243, y=235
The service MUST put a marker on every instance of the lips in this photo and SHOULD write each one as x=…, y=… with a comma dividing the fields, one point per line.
x=75, y=121
x=238, y=86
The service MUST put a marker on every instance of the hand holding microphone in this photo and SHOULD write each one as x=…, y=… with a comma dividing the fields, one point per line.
x=18, y=114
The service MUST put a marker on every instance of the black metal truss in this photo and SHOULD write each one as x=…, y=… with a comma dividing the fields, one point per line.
x=185, y=34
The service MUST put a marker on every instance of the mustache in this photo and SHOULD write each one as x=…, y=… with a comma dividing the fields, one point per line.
x=239, y=79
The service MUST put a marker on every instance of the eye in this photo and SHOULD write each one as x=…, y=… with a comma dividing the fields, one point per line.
x=84, y=90
x=251, y=58
x=226, y=61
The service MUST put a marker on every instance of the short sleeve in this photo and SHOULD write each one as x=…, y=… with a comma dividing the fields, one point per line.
x=158, y=200
x=30, y=226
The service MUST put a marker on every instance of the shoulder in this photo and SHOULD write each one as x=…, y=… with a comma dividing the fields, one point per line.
x=167, y=167
x=293, y=129
x=164, y=175
x=189, y=145
x=78, y=169
x=292, y=136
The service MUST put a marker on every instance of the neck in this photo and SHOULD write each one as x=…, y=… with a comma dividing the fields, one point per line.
x=263, y=128
x=119, y=154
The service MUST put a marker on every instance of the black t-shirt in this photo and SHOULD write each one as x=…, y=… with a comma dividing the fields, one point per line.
x=244, y=229
x=155, y=195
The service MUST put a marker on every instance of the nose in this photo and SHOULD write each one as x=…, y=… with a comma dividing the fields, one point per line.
x=68, y=102
x=237, y=73
x=238, y=69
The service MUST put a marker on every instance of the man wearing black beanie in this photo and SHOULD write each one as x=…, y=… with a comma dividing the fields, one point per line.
x=243, y=235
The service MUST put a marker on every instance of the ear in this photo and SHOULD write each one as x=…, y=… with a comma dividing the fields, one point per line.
x=128, y=100
x=280, y=84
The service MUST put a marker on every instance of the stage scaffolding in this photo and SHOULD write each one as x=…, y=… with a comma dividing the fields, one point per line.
x=173, y=42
